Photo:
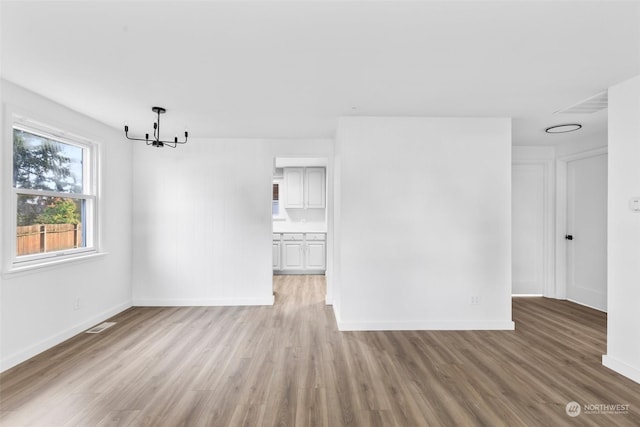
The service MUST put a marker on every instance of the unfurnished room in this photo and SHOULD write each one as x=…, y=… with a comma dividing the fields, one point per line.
x=320, y=213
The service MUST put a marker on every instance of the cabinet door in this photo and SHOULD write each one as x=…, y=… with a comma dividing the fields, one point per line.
x=316, y=258
x=293, y=187
x=292, y=255
x=276, y=256
x=314, y=187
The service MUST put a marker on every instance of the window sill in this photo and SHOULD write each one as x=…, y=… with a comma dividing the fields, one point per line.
x=14, y=270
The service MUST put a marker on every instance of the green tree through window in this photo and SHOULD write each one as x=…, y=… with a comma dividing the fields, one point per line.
x=40, y=164
x=53, y=194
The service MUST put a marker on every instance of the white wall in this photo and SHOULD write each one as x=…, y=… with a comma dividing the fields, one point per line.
x=623, y=325
x=424, y=223
x=588, y=143
x=202, y=220
x=37, y=306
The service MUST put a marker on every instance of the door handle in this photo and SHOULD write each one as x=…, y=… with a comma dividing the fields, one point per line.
x=568, y=237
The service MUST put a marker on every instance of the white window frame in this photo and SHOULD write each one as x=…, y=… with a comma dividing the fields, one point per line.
x=89, y=193
x=280, y=216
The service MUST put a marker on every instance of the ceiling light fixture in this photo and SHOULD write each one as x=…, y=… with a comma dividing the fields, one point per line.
x=563, y=128
x=156, y=141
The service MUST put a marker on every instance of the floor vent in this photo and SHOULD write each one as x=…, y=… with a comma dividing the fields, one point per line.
x=592, y=104
x=101, y=327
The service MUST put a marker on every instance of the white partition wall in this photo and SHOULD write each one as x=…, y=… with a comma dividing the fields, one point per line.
x=202, y=220
x=623, y=269
x=423, y=230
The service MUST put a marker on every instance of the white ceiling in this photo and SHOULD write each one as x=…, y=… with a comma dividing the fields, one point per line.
x=289, y=69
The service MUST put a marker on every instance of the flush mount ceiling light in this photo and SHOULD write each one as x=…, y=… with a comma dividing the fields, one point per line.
x=563, y=128
x=156, y=141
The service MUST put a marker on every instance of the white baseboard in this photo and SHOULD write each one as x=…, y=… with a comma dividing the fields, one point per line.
x=622, y=368
x=202, y=302
x=336, y=310
x=428, y=326
x=29, y=352
x=586, y=305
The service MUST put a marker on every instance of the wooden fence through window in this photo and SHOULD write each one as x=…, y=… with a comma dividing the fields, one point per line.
x=41, y=238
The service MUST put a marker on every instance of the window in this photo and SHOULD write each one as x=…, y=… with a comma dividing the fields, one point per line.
x=275, y=200
x=54, y=195
x=277, y=209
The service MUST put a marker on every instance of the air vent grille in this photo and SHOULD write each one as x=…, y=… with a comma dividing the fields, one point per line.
x=590, y=105
x=101, y=327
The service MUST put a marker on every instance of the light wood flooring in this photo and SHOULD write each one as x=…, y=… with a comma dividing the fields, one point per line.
x=288, y=365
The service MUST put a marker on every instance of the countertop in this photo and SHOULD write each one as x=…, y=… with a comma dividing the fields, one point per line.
x=309, y=227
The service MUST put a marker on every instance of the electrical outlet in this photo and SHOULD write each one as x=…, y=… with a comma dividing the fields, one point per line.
x=475, y=300
x=76, y=303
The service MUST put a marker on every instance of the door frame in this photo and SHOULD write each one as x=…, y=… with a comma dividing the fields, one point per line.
x=561, y=215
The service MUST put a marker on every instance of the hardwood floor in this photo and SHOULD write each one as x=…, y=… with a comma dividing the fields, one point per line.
x=289, y=365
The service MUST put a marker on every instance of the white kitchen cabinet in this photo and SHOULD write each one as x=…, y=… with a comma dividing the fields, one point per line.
x=301, y=253
x=315, y=258
x=314, y=188
x=292, y=251
x=277, y=251
x=294, y=187
x=292, y=255
x=305, y=187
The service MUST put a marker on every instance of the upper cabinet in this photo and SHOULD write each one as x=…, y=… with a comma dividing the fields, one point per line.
x=305, y=187
x=294, y=187
x=314, y=188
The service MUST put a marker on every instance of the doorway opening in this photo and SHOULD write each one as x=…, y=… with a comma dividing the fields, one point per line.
x=299, y=207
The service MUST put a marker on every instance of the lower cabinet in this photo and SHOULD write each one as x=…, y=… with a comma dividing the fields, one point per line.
x=316, y=250
x=277, y=264
x=292, y=255
x=315, y=258
x=300, y=253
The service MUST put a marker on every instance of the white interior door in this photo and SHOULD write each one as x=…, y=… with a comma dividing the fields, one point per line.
x=587, y=231
x=527, y=229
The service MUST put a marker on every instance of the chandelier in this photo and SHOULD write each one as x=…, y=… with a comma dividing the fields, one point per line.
x=156, y=141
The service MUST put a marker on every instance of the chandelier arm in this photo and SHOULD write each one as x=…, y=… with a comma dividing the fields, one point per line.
x=135, y=139
x=173, y=142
